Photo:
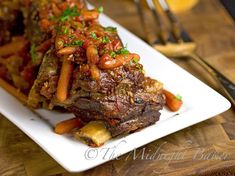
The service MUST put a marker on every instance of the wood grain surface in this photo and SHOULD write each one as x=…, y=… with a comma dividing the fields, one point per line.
x=207, y=148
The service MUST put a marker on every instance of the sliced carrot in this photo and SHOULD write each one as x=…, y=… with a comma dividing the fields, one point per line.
x=172, y=101
x=45, y=46
x=13, y=91
x=68, y=125
x=63, y=84
x=45, y=24
x=13, y=48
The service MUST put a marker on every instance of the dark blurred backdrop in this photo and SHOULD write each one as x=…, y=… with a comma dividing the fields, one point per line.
x=230, y=6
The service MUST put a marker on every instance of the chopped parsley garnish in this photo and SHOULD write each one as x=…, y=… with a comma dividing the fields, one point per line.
x=33, y=52
x=120, y=51
x=66, y=30
x=179, y=97
x=105, y=39
x=110, y=29
x=123, y=51
x=135, y=60
x=58, y=28
x=137, y=64
x=101, y=9
x=93, y=35
x=52, y=18
x=75, y=43
x=113, y=54
x=71, y=36
x=69, y=12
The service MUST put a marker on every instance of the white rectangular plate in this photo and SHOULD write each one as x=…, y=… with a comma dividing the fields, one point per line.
x=200, y=103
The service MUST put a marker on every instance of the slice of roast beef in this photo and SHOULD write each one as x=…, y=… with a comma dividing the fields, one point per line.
x=126, y=103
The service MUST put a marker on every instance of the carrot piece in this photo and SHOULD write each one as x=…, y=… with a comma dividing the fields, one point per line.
x=172, y=101
x=63, y=84
x=13, y=48
x=45, y=46
x=45, y=24
x=67, y=126
x=13, y=91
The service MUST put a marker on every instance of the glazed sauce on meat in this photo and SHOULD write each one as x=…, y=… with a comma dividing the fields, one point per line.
x=89, y=54
x=83, y=46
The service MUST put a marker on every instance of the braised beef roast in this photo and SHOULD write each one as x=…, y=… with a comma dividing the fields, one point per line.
x=104, y=81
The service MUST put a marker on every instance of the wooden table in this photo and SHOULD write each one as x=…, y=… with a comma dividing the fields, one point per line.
x=207, y=146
